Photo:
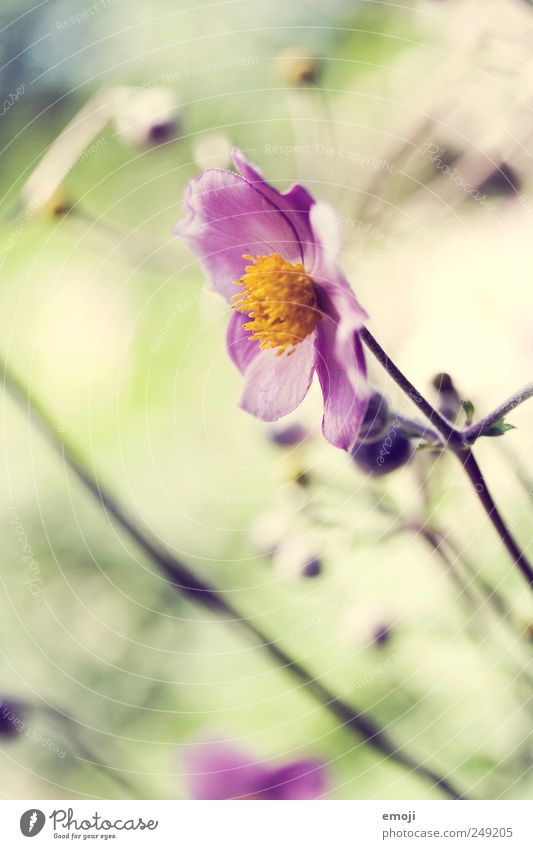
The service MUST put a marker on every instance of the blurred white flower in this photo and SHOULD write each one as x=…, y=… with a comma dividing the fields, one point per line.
x=142, y=117
x=146, y=117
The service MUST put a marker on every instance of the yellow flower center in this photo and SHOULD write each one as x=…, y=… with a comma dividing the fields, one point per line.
x=280, y=300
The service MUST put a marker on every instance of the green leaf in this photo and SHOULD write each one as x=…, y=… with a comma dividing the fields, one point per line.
x=429, y=446
x=497, y=429
x=469, y=409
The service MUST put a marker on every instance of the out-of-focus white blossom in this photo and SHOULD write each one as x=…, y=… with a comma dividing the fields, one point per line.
x=146, y=117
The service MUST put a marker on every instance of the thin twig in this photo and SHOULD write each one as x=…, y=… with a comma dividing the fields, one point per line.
x=475, y=474
x=442, y=425
x=456, y=442
x=471, y=433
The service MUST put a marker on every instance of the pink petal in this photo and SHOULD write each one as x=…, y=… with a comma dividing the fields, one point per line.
x=296, y=203
x=336, y=297
x=344, y=404
x=304, y=779
x=241, y=348
x=340, y=305
x=218, y=770
x=226, y=218
x=276, y=385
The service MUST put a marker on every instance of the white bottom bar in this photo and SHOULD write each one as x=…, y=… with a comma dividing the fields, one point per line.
x=269, y=825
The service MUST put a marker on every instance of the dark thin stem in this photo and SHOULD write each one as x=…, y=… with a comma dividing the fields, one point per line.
x=184, y=580
x=471, y=433
x=443, y=426
x=456, y=442
x=452, y=435
x=475, y=474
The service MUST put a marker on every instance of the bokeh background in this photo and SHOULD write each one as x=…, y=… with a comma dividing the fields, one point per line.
x=106, y=318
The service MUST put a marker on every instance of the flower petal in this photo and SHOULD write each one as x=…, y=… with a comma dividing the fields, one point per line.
x=218, y=770
x=326, y=234
x=335, y=296
x=241, y=348
x=304, y=779
x=295, y=203
x=344, y=403
x=276, y=385
x=225, y=218
x=340, y=305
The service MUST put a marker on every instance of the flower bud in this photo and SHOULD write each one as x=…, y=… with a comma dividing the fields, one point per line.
x=383, y=456
x=298, y=66
x=502, y=181
x=376, y=421
x=381, y=635
x=312, y=568
x=148, y=117
x=443, y=382
x=449, y=400
x=11, y=720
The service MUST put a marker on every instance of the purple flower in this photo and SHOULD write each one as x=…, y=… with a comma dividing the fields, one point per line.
x=218, y=770
x=294, y=312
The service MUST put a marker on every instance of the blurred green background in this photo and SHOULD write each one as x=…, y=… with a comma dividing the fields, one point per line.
x=106, y=318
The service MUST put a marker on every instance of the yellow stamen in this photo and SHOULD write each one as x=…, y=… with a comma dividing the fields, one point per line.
x=279, y=297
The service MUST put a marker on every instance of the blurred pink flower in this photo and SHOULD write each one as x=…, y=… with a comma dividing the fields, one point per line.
x=218, y=770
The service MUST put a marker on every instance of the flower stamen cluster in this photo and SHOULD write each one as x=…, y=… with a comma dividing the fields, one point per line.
x=280, y=299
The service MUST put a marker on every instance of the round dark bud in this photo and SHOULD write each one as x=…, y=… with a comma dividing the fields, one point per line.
x=443, y=382
x=377, y=417
x=312, y=569
x=449, y=400
x=11, y=721
x=383, y=456
x=381, y=635
x=503, y=181
x=159, y=133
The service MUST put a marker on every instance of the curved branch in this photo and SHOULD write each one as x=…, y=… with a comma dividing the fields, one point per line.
x=450, y=434
x=455, y=440
x=471, y=467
